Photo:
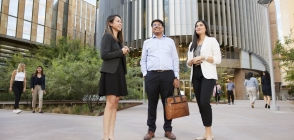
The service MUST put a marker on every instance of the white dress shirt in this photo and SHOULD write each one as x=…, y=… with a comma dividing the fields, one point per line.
x=159, y=54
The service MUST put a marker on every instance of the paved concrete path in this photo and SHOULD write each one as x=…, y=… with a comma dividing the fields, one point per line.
x=230, y=122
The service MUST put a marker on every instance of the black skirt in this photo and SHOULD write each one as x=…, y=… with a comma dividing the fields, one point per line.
x=113, y=84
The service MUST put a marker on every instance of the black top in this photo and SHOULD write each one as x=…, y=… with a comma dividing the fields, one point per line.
x=111, y=54
x=35, y=79
x=39, y=81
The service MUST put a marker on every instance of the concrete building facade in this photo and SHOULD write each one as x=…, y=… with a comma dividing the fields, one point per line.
x=242, y=28
x=287, y=23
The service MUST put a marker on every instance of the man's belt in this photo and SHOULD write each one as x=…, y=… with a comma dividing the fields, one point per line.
x=160, y=70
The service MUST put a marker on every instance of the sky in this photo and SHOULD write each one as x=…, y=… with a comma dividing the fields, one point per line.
x=277, y=2
x=93, y=2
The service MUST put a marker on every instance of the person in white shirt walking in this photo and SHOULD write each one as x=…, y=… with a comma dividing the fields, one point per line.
x=18, y=85
x=251, y=85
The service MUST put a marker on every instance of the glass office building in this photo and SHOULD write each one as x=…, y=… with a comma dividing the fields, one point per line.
x=242, y=28
x=25, y=23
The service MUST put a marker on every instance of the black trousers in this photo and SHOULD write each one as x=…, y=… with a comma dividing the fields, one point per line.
x=230, y=96
x=158, y=83
x=17, y=88
x=217, y=97
x=203, y=90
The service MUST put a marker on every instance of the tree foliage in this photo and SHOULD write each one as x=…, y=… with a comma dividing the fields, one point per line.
x=72, y=72
x=285, y=53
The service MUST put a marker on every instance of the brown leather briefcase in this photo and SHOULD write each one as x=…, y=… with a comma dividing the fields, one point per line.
x=176, y=106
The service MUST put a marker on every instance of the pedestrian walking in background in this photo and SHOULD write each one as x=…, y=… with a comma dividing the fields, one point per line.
x=217, y=92
x=113, y=70
x=266, y=88
x=251, y=85
x=160, y=68
x=18, y=85
x=230, y=92
x=203, y=55
x=37, y=86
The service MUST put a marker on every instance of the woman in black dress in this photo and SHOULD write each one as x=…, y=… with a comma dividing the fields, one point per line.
x=113, y=70
x=266, y=88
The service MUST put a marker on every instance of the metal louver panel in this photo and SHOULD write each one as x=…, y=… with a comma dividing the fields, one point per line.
x=245, y=29
x=234, y=24
x=213, y=19
x=219, y=23
x=230, y=36
x=224, y=23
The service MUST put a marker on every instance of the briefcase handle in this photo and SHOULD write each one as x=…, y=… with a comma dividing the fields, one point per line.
x=178, y=89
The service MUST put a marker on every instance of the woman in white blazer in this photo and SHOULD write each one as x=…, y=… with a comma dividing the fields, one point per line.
x=203, y=55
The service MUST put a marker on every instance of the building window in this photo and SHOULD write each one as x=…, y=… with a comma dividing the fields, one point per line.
x=40, y=34
x=55, y=2
x=13, y=8
x=53, y=35
x=27, y=30
x=65, y=19
x=42, y=12
x=28, y=10
x=0, y=5
x=11, y=26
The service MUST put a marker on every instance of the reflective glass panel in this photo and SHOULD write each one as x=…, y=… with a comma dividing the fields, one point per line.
x=28, y=10
x=0, y=5
x=81, y=21
x=85, y=24
x=85, y=12
x=11, y=26
x=40, y=34
x=53, y=35
x=55, y=4
x=26, y=30
x=43, y=2
x=55, y=1
x=54, y=19
x=41, y=15
x=13, y=8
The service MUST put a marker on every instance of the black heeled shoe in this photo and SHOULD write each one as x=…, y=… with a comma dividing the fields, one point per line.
x=268, y=107
x=265, y=106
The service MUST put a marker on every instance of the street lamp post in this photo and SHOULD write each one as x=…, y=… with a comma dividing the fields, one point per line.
x=270, y=63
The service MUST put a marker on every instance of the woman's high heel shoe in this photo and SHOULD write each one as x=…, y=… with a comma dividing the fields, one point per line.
x=265, y=106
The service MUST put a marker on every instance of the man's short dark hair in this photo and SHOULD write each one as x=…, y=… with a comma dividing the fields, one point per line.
x=157, y=20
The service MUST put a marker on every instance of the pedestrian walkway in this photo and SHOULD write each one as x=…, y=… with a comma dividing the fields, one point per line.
x=230, y=122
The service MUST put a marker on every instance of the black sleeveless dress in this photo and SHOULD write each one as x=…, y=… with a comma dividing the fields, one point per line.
x=114, y=84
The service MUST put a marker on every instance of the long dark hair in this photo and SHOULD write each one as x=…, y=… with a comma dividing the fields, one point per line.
x=250, y=74
x=36, y=72
x=266, y=75
x=196, y=36
x=108, y=29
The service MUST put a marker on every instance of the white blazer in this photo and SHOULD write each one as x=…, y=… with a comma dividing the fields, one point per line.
x=210, y=47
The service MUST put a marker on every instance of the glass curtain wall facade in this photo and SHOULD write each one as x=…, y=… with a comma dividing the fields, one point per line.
x=43, y=21
x=30, y=22
x=240, y=26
